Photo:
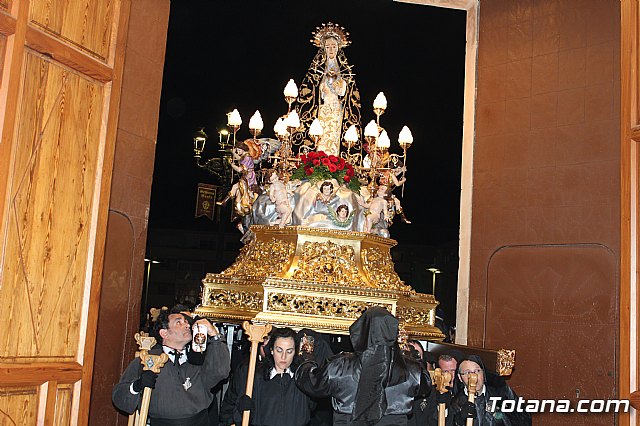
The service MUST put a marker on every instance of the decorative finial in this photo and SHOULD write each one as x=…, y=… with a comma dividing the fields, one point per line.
x=330, y=30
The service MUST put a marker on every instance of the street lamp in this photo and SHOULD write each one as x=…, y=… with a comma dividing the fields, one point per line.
x=434, y=271
x=146, y=287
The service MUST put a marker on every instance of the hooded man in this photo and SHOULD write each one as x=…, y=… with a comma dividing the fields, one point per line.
x=375, y=384
x=489, y=385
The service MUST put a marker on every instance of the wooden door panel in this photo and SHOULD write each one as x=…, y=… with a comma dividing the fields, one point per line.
x=64, y=398
x=52, y=195
x=86, y=24
x=18, y=406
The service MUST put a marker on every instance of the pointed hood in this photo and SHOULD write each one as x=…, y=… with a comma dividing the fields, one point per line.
x=375, y=327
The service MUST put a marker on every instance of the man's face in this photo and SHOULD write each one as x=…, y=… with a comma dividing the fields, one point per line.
x=326, y=189
x=178, y=334
x=283, y=352
x=331, y=48
x=468, y=367
x=448, y=367
x=343, y=213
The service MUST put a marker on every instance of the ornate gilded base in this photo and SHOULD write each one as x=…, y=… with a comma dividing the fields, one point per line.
x=316, y=278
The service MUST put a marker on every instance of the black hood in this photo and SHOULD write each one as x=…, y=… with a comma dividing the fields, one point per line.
x=375, y=327
x=474, y=358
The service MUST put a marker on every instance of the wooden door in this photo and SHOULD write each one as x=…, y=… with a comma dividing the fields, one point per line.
x=629, y=386
x=60, y=85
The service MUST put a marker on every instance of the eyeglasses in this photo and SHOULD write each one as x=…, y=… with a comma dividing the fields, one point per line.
x=466, y=373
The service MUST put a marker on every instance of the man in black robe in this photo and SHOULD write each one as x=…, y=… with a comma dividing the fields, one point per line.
x=489, y=385
x=182, y=390
x=374, y=385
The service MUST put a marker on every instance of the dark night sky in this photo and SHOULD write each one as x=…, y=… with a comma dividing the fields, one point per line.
x=225, y=54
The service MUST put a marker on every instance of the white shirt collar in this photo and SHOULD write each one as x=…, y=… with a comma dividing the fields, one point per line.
x=183, y=354
x=466, y=392
x=274, y=373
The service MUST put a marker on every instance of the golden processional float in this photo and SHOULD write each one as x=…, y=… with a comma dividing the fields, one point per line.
x=314, y=205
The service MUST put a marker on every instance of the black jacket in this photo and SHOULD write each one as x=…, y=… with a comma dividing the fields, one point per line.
x=494, y=386
x=277, y=401
x=373, y=338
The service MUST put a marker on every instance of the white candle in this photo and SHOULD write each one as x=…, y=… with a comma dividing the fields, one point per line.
x=351, y=135
x=255, y=123
x=291, y=90
x=316, y=128
x=292, y=120
x=371, y=130
x=233, y=118
x=280, y=128
x=380, y=102
x=405, y=137
x=383, y=140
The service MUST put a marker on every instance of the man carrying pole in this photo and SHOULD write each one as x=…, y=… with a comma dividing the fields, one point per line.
x=182, y=389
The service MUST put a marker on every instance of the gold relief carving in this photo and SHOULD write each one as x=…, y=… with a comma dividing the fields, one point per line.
x=379, y=267
x=322, y=306
x=506, y=361
x=414, y=316
x=328, y=262
x=262, y=259
x=250, y=301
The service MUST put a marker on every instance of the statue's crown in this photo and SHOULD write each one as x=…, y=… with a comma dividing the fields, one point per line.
x=330, y=30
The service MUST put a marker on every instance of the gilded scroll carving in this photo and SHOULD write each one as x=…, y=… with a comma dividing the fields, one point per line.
x=328, y=262
x=506, y=361
x=414, y=316
x=379, y=267
x=233, y=299
x=321, y=306
x=262, y=259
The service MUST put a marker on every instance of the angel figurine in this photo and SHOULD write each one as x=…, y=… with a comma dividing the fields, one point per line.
x=377, y=210
x=341, y=216
x=279, y=195
x=245, y=190
x=389, y=177
x=326, y=192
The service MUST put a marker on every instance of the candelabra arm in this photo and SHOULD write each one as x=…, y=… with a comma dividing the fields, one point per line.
x=404, y=157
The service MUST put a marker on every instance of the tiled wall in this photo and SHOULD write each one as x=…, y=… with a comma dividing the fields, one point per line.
x=545, y=213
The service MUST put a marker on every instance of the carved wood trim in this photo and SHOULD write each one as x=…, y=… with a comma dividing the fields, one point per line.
x=629, y=220
x=635, y=133
x=37, y=373
x=50, y=409
x=68, y=55
x=7, y=23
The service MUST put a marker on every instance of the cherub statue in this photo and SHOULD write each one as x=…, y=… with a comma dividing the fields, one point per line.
x=326, y=192
x=279, y=195
x=376, y=209
x=341, y=216
x=389, y=177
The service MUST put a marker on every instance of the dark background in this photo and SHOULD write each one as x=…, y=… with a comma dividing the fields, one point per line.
x=226, y=54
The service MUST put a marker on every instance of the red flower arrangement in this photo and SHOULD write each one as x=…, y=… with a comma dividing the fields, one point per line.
x=317, y=166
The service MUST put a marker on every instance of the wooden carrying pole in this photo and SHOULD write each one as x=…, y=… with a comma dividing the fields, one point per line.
x=471, y=388
x=256, y=334
x=149, y=362
x=441, y=381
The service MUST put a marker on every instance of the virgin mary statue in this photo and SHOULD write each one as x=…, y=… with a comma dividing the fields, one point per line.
x=328, y=91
